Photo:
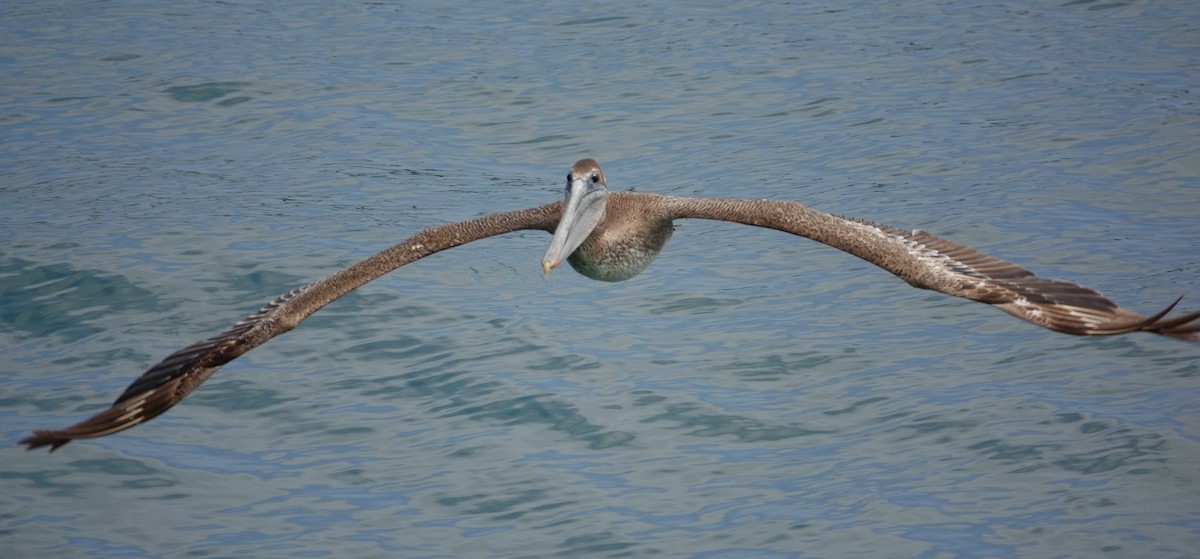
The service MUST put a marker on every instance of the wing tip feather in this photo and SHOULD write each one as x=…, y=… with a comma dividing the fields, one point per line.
x=42, y=437
x=1181, y=327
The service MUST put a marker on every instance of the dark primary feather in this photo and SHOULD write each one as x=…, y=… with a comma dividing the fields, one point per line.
x=166, y=383
x=213, y=352
x=1055, y=304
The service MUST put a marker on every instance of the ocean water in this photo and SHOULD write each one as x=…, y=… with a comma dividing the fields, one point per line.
x=167, y=168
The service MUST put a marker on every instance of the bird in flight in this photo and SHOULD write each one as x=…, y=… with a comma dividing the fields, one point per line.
x=613, y=236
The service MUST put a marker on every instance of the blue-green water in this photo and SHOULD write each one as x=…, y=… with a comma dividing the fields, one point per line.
x=169, y=167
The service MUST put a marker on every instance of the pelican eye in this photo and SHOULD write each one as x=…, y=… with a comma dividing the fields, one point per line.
x=595, y=177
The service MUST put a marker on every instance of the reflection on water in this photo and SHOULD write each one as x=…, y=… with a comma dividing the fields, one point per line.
x=168, y=170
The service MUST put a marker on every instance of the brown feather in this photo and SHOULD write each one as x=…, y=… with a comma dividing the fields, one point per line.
x=171, y=380
x=931, y=262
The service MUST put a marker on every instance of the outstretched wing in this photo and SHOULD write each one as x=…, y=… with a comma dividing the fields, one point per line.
x=168, y=382
x=1055, y=304
x=931, y=262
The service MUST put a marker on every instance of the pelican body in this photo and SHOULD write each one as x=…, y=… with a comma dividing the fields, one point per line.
x=613, y=236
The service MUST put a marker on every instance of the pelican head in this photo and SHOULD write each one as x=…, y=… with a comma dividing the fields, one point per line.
x=586, y=194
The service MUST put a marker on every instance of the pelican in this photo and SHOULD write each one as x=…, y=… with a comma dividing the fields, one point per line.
x=613, y=236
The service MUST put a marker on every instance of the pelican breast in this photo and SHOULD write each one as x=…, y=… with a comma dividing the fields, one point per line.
x=634, y=231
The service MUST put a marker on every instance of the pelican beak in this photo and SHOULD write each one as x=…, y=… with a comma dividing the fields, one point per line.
x=583, y=211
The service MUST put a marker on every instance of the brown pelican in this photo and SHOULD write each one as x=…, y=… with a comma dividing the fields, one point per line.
x=614, y=236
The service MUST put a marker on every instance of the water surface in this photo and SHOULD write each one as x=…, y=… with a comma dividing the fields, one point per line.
x=168, y=168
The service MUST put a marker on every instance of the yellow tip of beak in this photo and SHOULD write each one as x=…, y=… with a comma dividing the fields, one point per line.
x=546, y=267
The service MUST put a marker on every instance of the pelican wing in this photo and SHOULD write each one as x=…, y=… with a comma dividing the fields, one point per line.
x=930, y=262
x=171, y=380
x=1055, y=304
